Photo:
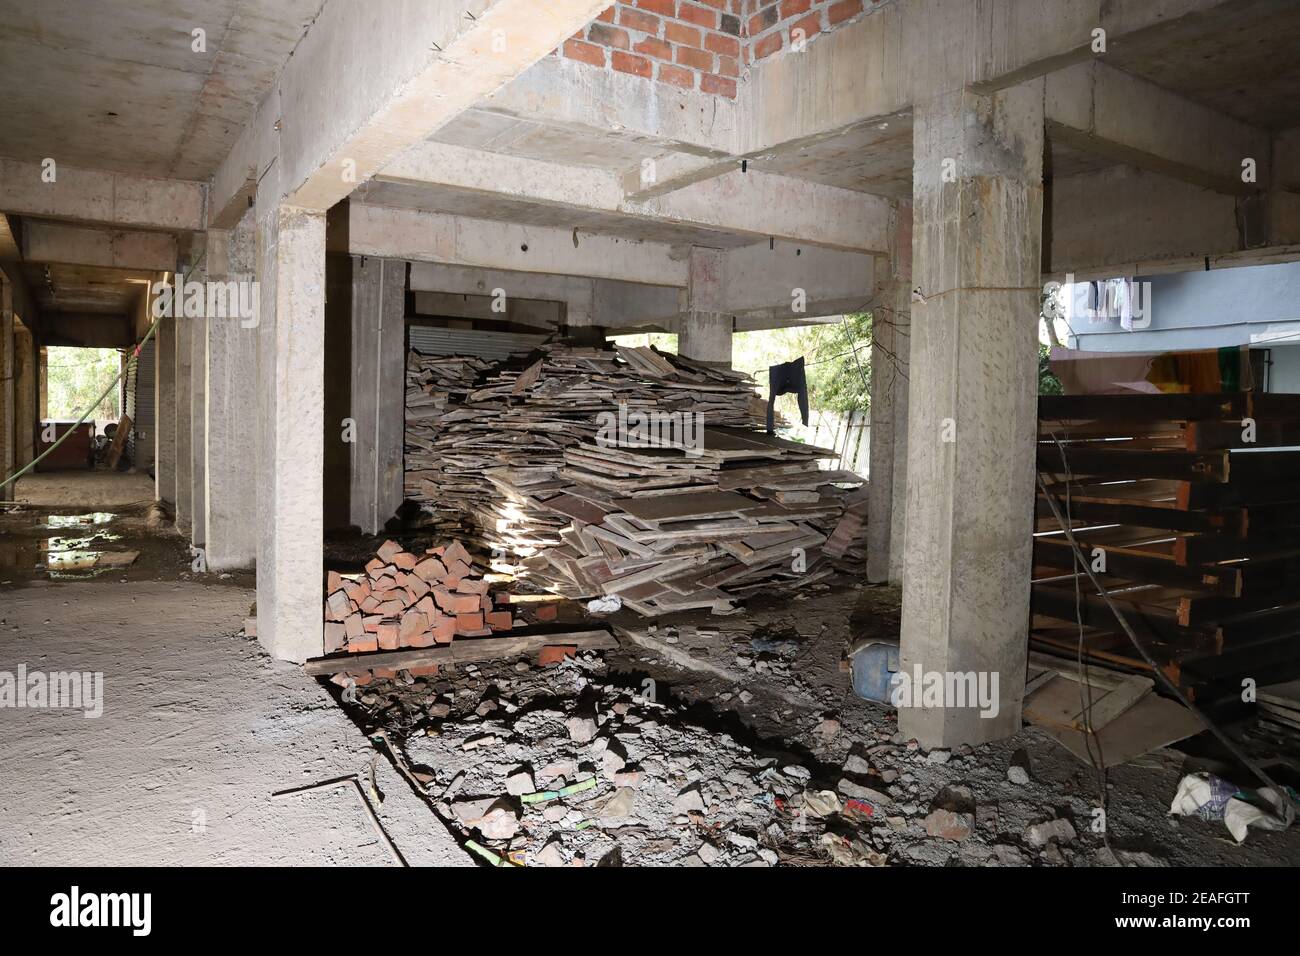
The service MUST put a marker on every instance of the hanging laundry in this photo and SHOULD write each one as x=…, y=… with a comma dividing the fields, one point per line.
x=785, y=379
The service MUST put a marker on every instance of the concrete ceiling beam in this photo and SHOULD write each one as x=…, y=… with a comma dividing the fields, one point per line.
x=746, y=203
x=566, y=94
x=1101, y=110
x=422, y=236
x=44, y=241
x=95, y=196
x=365, y=84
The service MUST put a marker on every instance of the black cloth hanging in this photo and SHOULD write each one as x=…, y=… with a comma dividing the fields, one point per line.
x=783, y=380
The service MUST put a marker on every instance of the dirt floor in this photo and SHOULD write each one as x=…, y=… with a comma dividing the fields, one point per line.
x=699, y=740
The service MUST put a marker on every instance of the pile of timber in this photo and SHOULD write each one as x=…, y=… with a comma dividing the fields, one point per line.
x=448, y=481
x=667, y=529
x=524, y=453
x=482, y=439
x=408, y=600
x=1188, y=506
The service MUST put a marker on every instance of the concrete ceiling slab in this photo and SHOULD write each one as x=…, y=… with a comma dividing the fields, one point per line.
x=1246, y=65
x=117, y=85
x=481, y=205
x=65, y=288
x=874, y=157
x=498, y=133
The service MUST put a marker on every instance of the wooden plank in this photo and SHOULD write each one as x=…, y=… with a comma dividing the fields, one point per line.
x=1116, y=463
x=460, y=652
x=1143, y=407
x=669, y=507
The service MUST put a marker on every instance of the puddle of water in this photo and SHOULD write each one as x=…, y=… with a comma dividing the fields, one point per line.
x=77, y=521
x=76, y=551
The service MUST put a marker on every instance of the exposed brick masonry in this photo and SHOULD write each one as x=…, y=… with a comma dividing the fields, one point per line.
x=702, y=44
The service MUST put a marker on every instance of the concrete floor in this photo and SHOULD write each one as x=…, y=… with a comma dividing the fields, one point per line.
x=85, y=489
x=197, y=725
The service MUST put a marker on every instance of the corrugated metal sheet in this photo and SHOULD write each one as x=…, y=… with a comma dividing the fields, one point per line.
x=429, y=340
x=141, y=442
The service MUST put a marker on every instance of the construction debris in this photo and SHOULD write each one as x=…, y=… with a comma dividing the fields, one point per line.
x=625, y=473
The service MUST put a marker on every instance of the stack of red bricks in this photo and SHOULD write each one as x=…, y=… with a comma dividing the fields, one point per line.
x=410, y=600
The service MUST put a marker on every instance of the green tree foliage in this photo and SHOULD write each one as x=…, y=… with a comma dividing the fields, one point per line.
x=1048, y=383
x=75, y=377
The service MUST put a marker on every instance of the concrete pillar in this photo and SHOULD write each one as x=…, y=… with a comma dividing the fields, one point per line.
x=889, y=345
x=705, y=333
x=25, y=362
x=198, y=427
x=183, y=343
x=378, y=390
x=978, y=198
x=290, y=412
x=902, y=334
x=229, y=427
x=164, y=449
x=8, y=431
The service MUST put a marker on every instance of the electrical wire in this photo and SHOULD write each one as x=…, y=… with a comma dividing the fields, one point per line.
x=135, y=356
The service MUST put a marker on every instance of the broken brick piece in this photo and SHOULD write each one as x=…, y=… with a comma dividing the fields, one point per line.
x=362, y=645
x=336, y=635
x=431, y=570
x=405, y=561
x=469, y=622
x=414, y=623
x=546, y=612
x=338, y=605
x=354, y=627
x=388, y=636
x=499, y=620
x=444, y=629
x=388, y=550
x=554, y=653
x=333, y=582
x=456, y=552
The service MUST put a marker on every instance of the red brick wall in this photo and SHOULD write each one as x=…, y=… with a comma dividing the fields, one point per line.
x=775, y=25
x=700, y=44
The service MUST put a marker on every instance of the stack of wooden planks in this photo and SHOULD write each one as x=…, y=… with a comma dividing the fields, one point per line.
x=667, y=530
x=1188, y=508
x=408, y=600
x=695, y=519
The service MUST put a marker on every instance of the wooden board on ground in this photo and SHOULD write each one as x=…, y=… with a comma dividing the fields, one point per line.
x=461, y=652
x=1152, y=723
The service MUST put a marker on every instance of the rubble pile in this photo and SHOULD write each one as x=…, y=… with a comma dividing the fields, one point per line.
x=566, y=766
